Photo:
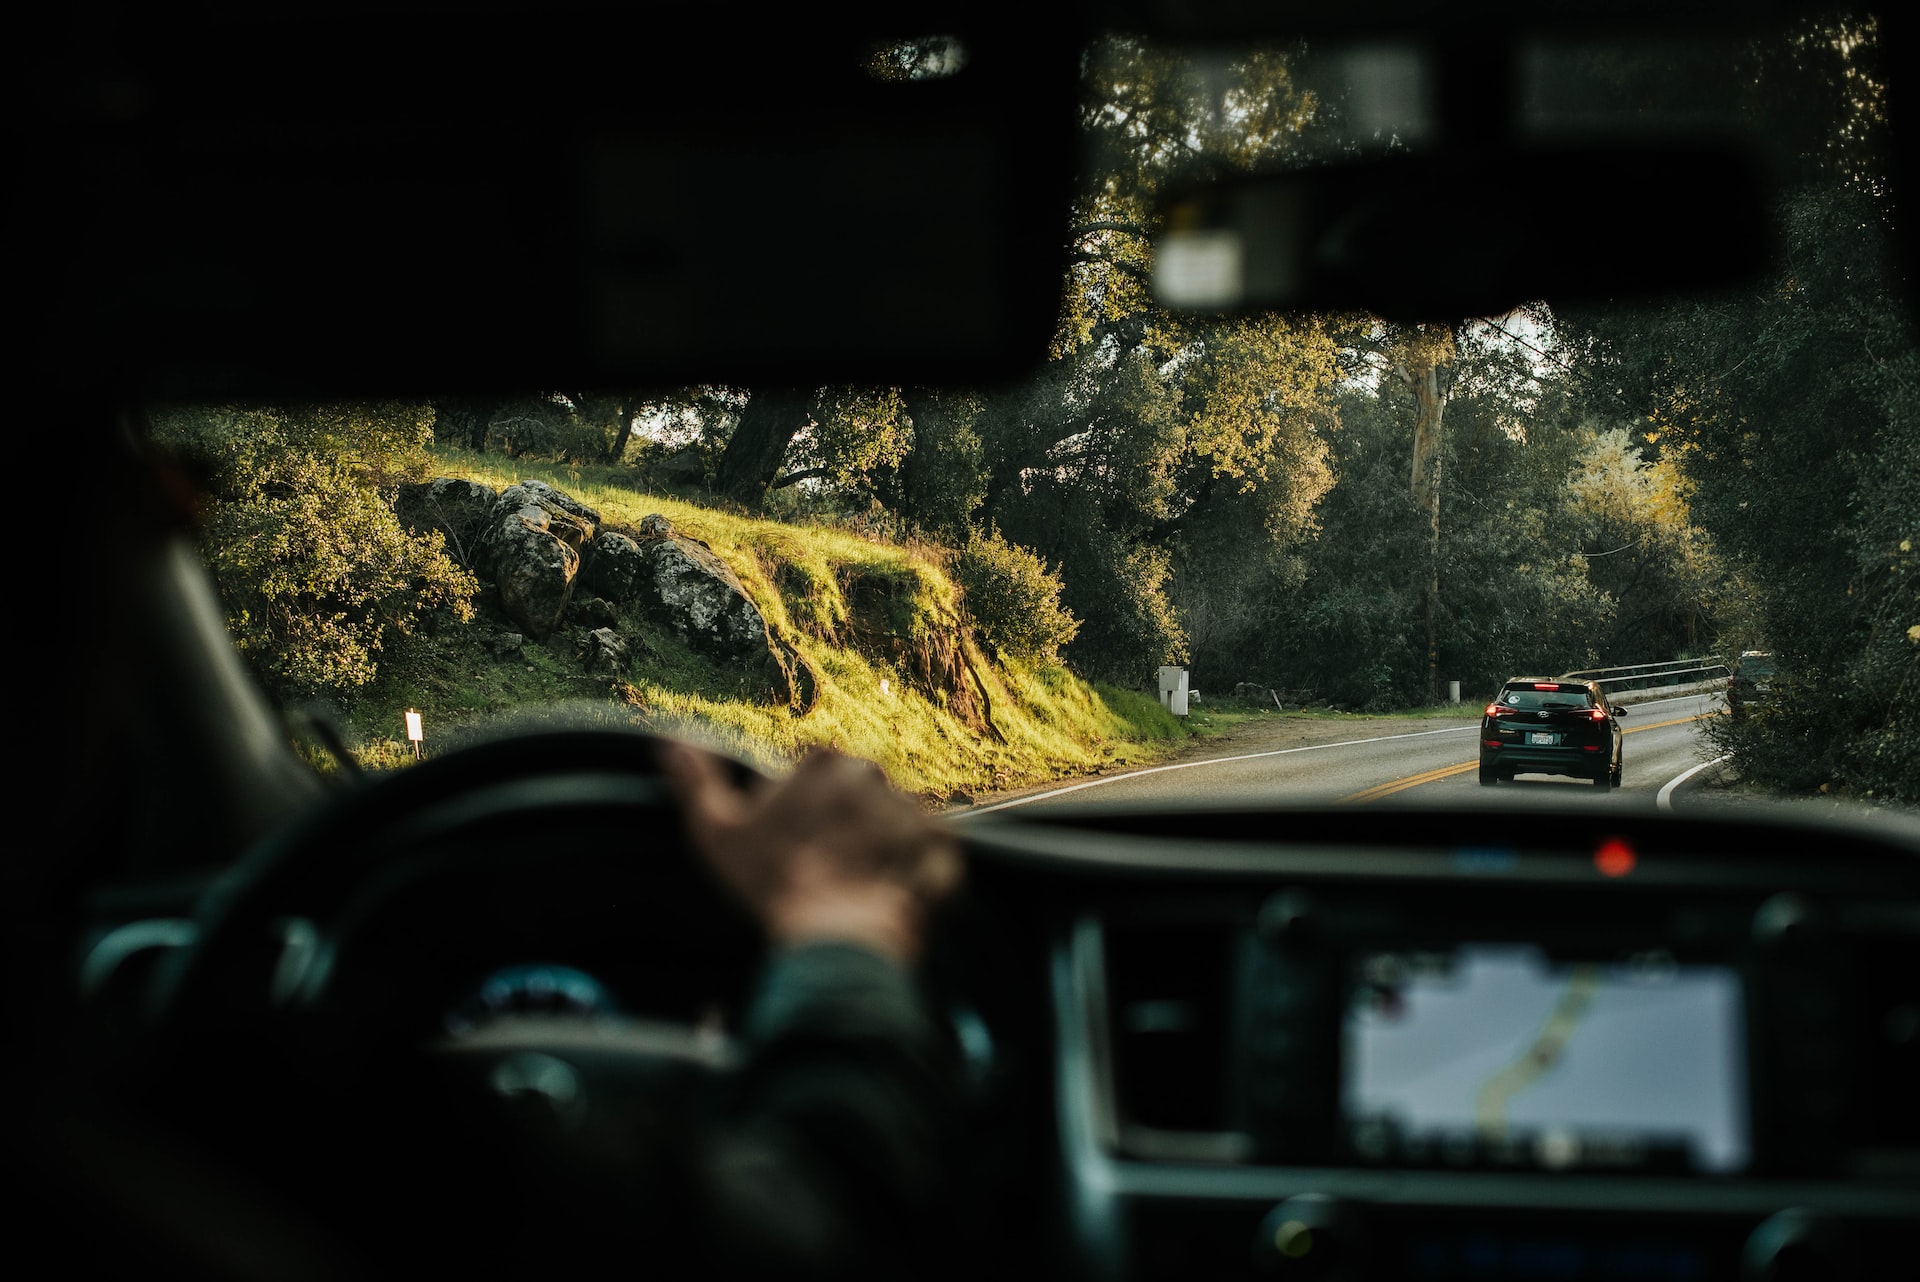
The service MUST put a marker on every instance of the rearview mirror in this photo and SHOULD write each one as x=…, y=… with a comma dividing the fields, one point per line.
x=1416, y=238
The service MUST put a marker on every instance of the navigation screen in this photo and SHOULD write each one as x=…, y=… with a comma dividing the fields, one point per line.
x=1495, y=1055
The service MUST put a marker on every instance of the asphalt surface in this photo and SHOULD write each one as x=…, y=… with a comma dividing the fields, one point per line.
x=1369, y=760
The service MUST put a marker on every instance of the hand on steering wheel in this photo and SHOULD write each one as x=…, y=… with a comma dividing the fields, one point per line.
x=829, y=851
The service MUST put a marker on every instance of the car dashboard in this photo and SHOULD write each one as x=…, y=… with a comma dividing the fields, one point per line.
x=1327, y=1042
x=1415, y=1045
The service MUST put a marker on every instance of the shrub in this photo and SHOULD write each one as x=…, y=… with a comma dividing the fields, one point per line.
x=1013, y=597
x=319, y=578
x=320, y=581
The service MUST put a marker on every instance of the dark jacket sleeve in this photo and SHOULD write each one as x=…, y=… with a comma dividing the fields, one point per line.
x=833, y=1150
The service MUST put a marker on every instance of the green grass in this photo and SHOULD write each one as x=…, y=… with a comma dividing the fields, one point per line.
x=852, y=606
x=1431, y=712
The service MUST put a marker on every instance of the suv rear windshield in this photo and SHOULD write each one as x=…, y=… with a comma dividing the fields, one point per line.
x=1529, y=699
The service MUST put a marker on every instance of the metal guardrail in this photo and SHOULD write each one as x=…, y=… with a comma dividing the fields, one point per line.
x=1651, y=676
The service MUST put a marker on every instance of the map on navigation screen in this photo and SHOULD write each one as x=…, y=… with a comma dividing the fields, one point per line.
x=1496, y=1055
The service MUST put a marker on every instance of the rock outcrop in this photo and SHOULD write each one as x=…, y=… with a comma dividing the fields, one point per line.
x=615, y=567
x=593, y=612
x=681, y=581
x=531, y=545
x=602, y=651
x=540, y=546
x=700, y=595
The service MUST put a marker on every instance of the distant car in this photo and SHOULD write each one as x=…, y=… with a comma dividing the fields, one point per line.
x=1549, y=726
x=1751, y=683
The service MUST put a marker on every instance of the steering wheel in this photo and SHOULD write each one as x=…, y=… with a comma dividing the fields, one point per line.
x=328, y=943
x=573, y=802
x=299, y=1023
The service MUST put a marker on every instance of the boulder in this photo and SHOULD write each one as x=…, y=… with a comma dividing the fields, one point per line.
x=602, y=651
x=534, y=572
x=615, y=567
x=531, y=547
x=595, y=612
x=455, y=507
x=562, y=516
x=543, y=493
x=702, y=598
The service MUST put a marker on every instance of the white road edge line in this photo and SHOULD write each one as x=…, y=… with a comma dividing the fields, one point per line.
x=1665, y=799
x=1211, y=761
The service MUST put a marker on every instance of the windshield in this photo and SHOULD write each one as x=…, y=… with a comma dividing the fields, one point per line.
x=1273, y=541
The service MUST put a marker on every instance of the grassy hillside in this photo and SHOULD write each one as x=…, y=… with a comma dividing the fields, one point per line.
x=856, y=609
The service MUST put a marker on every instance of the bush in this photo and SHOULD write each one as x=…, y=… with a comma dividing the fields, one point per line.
x=1013, y=597
x=320, y=581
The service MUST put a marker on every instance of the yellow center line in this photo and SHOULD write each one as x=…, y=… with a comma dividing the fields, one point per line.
x=1395, y=785
x=1392, y=786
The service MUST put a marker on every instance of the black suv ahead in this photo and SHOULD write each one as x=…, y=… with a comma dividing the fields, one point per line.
x=1548, y=726
x=1751, y=683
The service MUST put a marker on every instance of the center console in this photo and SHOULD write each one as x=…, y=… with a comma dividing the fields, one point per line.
x=1571, y=1057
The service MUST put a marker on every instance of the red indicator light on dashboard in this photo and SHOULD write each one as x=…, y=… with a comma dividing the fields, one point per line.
x=1615, y=858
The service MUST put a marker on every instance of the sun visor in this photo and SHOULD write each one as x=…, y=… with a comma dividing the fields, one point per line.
x=367, y=201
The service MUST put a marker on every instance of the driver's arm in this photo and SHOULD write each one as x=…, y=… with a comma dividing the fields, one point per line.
x=836, y=1150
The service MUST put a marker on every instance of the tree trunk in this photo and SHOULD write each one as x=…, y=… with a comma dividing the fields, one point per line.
x=1429, y=382
x=621, y=424
x=767, y=426
x=611, y=417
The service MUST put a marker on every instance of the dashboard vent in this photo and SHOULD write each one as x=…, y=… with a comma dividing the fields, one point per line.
x=1169, y=990
x=1885, y=1045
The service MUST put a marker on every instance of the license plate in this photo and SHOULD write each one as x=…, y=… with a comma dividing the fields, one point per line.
x=1542, y=736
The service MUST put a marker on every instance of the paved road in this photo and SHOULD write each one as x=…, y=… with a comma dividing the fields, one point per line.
x=1440, y=759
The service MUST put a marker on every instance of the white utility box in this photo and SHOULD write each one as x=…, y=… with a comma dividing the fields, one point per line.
x=1173, y=690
